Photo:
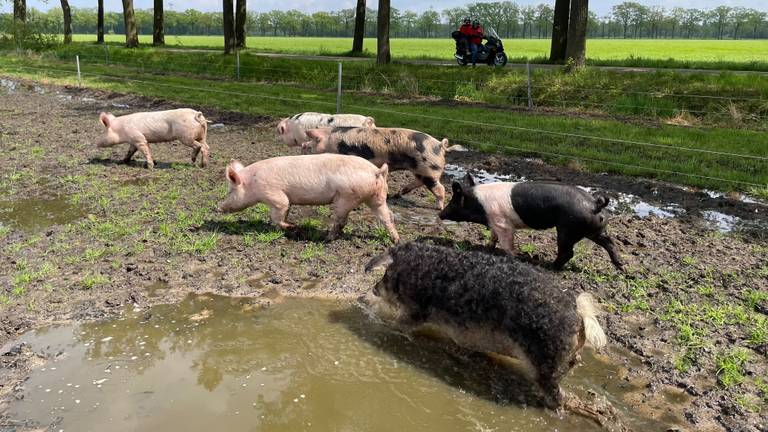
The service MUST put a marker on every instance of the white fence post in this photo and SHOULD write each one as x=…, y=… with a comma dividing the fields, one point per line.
x=528, y=72
x=106, y=54
x=77, y=60
x=338, y=93
x=237, y=63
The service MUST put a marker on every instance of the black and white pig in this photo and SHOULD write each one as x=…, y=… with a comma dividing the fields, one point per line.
x=491, y=304
x=504, y=207
x=400, y=149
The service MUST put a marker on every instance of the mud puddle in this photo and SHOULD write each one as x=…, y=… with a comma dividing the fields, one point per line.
x=37, y=214
x=222, y=363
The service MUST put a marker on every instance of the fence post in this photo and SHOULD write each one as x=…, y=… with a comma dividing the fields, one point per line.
x=77, y=60
x=106, y=54
x=237, y=63
x=528, y=72
x=338, y=93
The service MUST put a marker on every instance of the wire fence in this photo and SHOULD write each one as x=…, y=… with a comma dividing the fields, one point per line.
x=715, y=110
x=323, y=102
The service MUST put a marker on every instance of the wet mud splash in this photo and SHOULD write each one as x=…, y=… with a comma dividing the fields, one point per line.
x=222, y=363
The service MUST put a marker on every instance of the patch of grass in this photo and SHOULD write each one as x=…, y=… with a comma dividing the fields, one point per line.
x=730, y=366
x=91, y=281
x=201, y=246
x=758, y=333
x=689, y=260
x=379, y=234
x=268, y=237
x=4, y=230
x=323, y=211
x=749, y=403
x=311, y=251
x=759, y=192
x=93, y=254
x=755, y=297
x=37, y=152
x=528, y=249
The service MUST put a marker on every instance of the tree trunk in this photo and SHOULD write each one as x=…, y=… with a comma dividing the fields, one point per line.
x=158, y=35
x=229, y=27
x=240, y=19
x=20, y=10
x=131, y=34
x=382, y=34
x=67, y=21
x=559, y=31
x=100, y=23
x=577, y=32
x=357, y=41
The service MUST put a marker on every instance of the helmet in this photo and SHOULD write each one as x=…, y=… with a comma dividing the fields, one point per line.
x=466, y=21
x=475, y=23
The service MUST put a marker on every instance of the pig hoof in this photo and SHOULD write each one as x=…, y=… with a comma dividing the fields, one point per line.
x=149, y=165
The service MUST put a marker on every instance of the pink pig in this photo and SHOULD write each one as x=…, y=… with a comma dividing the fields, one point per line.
x=140, y=129
x=344, y=181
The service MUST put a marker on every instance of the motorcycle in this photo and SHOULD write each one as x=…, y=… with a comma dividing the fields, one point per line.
x=492, y=53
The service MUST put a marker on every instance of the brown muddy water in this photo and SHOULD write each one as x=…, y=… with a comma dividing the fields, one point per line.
x=221, y=363
x=36, y=214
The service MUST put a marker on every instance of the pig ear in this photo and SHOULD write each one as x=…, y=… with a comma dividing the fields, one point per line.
x=456, y=187
x=104, y=118
x=369, y=122
x=469, y=180
x=232, y=173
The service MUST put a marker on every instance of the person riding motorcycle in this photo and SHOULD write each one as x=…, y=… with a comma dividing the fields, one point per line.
x=475, y=39
x=466, y=32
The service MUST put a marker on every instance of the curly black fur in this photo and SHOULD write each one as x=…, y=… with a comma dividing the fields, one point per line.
x=496, y=292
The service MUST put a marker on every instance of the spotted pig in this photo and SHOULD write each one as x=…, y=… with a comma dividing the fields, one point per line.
x=401, y=149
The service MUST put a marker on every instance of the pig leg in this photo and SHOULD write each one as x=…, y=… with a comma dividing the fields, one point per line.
x=384, y=215
x=131, y=151
x=494, y=240
x=144, y=147
x=410, y=186
x=205, y=149
x=278, y=211
x=608, y=244
x=341, y=209
x=436, y=188
x=505, y=235
x=565, y=243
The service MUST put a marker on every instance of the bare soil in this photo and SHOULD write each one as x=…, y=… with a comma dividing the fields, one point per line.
x=142, y=229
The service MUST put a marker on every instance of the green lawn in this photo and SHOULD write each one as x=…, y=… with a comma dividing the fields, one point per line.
x=631, y=52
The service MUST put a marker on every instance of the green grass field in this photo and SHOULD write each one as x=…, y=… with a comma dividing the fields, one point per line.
x=692, y=152
x=629, y=52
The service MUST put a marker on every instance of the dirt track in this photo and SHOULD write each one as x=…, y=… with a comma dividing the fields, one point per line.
x=128, y=228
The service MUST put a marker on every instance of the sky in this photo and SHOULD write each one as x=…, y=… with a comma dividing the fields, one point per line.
x=601, y=7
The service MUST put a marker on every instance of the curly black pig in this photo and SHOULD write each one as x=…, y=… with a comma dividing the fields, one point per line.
x=504, y=207
x=491, y=304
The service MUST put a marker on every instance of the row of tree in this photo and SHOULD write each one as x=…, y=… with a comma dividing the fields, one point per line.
x=628, y=19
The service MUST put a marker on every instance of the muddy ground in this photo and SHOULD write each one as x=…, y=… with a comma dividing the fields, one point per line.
x=82, y=236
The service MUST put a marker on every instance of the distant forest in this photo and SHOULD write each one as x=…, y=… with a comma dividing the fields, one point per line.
x=626, y=20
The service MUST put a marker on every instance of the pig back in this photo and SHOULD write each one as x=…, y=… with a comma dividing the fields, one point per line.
x=497, y=292
x=316, y=179
x=542, y=205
